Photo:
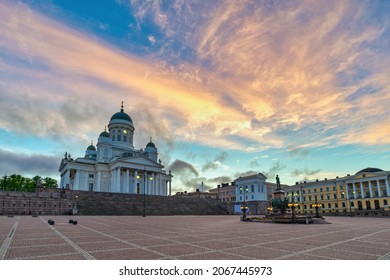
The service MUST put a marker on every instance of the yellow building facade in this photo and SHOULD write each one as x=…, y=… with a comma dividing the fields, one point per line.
x=365, y=193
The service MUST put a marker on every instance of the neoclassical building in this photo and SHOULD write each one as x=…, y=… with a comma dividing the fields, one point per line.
x=363, y=193
x=114, y=165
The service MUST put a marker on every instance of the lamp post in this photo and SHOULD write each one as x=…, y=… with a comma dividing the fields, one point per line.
x=317, y=205
x=244, y=207
x=292, y=205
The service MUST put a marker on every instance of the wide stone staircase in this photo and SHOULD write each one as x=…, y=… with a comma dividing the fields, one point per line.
x=99, y=203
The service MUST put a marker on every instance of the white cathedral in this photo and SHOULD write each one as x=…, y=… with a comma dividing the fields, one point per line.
x=114, y=165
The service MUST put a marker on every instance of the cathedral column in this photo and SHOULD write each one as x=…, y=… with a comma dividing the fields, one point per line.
x=170, y=187
x=154, y=184
x=112, y=173
x=127, y=181
x=118, y=174
x=354, y=190
x=347, y=190
x=159, y=184
x=387, y=186
x=361, y=189
x=135, y=182
x=76, y=185
x=99, y=181
x=151, y=183
x=146, y=183
x=67, y=179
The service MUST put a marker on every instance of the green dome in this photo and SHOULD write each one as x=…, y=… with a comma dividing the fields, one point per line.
x=151, y=145
x=105, y=134
x=91, y=147
x=121, y=116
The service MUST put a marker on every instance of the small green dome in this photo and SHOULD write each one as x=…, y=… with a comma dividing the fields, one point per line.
x=91, y=148
x=151, y=145
x=105, y=134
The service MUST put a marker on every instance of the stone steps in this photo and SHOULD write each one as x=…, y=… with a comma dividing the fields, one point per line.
x=89, y=203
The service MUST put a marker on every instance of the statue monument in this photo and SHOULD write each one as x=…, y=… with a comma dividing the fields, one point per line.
x=279, y=202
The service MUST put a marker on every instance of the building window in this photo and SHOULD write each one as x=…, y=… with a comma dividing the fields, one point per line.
x=329, y=205
x=304, y=206
x=377, y=206
x=303, y=191
x=344, y=204
x=385, y=202
x=90, y=187
x=91, y=176
x=262, y=188
x=323, y=205
x=124, y=138
x=252, y=188
x=322, y=197
x=336, y=205
x=320, y=189
x=315, y=190
x=368, y=205
x=352, y=204
x=328, y=196
x=334, y=196
x=309, y=198
x=327, y=189
x=119, y=137
x=253, y=196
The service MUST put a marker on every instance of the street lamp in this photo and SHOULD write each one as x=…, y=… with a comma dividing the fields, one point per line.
x=292, y=205
x=317, y=205
x=244, y=207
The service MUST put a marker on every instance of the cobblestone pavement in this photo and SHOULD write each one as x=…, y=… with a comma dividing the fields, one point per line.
x=191, y=237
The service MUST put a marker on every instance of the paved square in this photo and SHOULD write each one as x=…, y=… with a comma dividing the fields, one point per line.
x=191, y=237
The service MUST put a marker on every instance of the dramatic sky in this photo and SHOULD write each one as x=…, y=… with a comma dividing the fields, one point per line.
x=225, y=88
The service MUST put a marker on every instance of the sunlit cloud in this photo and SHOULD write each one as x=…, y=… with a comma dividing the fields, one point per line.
x=242, y=76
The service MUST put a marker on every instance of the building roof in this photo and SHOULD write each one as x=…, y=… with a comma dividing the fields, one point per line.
x=251, y=177
x=369, y=170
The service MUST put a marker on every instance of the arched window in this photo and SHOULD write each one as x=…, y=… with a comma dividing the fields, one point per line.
x=368, y=205
x=377, y=206
x=385, y=202
x=352, y=204
x=360, y=205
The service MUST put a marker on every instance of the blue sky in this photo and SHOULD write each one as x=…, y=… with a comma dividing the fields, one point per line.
x=224, y=88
